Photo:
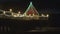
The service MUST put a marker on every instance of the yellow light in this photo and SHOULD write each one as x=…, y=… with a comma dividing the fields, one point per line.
x=33, y=14
x=42, y=14
x=4, y=12
x=47, y=15
x=14, y=15
x=10, y=10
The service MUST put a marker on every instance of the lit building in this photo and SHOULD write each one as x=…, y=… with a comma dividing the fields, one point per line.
x=30, y=13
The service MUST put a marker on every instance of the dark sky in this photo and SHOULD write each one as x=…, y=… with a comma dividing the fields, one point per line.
x=23, y=4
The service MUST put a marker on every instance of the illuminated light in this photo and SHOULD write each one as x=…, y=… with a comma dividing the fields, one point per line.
x=14, y=15
x=19, y=12
x=10, y=10
x=42, y=14
x=21, y=16
x=33, y=15
x=4, y=12
x=47, y=15
x=29, y=14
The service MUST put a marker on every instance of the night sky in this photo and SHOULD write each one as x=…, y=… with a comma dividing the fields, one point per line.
x=23, y=4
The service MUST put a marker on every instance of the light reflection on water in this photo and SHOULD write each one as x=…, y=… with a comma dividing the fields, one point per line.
x=4, y=28
x=36, y=29
x=46, y=29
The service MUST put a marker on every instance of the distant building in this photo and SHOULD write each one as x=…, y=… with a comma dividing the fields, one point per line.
x=29, y=14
